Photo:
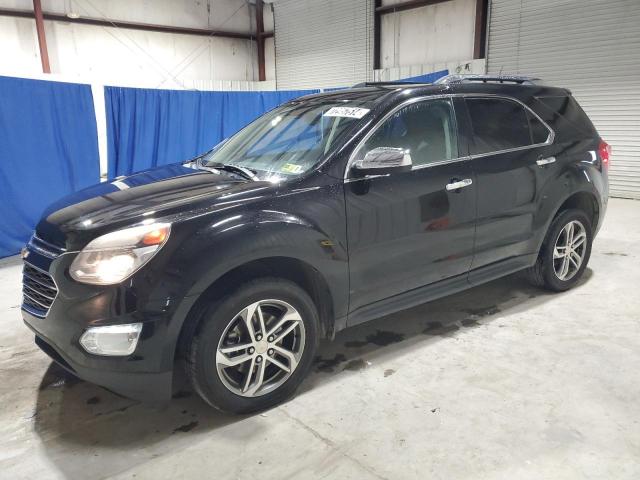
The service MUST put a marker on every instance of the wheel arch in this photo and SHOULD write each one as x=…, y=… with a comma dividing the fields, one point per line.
x=584, y=200
x=289, y=268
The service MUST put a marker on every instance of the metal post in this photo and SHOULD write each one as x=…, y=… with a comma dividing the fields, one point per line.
x=480, y=34
x=42, y=39
x=377, y=62
x=262, y=76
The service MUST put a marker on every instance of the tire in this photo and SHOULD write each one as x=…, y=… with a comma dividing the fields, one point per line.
x=547, y=272
x=223, y=327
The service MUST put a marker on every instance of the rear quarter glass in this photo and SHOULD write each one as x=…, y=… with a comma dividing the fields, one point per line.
x=564, y=114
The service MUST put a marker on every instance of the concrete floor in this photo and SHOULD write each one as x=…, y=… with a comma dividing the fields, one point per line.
x=500, y=382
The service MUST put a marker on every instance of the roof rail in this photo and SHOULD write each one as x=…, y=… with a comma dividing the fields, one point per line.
x=386, y=83
x=519, y=79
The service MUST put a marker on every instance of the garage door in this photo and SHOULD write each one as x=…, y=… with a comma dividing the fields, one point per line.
x=323, y=43
x=593, y=48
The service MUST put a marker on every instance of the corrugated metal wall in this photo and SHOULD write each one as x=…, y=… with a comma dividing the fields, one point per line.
x=323, y=43
x=593, y=48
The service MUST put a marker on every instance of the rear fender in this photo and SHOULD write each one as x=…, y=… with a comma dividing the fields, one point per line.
x=576, y=178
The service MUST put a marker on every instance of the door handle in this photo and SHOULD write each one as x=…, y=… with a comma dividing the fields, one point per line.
x=545, y=161
x=458, y=184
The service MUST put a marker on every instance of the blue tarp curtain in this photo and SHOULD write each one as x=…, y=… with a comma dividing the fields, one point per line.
x=147, y=128
x=48, y=149
x=426, y=78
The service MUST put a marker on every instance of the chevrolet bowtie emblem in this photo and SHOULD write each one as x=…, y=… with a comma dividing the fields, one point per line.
x=24, y=253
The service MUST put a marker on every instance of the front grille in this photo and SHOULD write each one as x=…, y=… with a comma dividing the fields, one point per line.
x=38, y=290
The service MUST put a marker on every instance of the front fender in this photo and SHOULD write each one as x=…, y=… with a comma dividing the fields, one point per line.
x=220, y=245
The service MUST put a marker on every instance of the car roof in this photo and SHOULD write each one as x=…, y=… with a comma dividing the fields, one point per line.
x=384, y=92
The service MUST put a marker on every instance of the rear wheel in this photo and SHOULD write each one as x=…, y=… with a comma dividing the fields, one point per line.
x=565, y=252
x=254, y=347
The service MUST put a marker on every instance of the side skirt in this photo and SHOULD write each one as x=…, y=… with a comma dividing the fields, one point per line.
x=443, y=288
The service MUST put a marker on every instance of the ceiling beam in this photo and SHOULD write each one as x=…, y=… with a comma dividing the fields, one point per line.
x=408, y=5
x=149, y=27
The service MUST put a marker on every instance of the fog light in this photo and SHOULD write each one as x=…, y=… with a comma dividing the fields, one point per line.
x=111, y=339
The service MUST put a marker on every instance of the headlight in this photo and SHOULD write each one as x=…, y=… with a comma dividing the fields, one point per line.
x=111, y=339
x=113, y=257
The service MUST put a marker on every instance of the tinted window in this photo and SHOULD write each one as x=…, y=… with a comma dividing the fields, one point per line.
x=427, y=129
x=539, y=132
x=565, y=109
x=500, y=124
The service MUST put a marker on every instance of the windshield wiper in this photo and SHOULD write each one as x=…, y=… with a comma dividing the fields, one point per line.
x=229, y=167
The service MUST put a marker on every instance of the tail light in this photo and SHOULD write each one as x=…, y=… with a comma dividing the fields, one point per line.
x=604, y=150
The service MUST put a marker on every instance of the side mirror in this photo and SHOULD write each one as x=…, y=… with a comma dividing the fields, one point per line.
x=382, y=161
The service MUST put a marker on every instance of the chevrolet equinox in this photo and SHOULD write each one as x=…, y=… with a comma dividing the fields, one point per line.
x=328, y=211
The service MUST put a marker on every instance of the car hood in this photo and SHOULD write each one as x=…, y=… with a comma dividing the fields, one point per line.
x=160, y=192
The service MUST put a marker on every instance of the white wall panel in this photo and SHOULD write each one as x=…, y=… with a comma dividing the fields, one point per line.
x=270, y=58
x=224, y=14
x=19, y=43
x=118, y=55
x=460, y=67
x=589, y=46
x=323, y=43
x=438, y=33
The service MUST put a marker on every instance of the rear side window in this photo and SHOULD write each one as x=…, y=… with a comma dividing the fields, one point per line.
x=500, y=124
x=426, y=129
x=539, y=133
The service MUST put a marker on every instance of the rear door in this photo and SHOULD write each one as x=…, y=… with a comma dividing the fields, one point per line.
x=509, y=147
x=408, y=229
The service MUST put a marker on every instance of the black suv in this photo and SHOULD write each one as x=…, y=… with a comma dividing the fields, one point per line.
x=326, y=212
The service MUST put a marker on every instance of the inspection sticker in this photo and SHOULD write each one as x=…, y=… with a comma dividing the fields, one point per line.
x=348, y=112
x=291, y=168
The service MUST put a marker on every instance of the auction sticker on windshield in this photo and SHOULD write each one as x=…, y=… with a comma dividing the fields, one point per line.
x=348, y=112
x=291, y=168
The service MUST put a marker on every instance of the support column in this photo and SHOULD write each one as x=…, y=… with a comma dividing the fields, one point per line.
x=262, y=76
x=42, y=39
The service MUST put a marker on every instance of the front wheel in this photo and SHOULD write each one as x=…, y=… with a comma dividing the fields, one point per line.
x=565, y=252
x=254, y=347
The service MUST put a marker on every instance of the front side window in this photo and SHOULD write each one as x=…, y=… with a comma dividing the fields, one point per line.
x=425, y=129
x=500, y=124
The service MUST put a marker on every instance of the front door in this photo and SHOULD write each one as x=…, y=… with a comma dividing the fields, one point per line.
x=413, y=228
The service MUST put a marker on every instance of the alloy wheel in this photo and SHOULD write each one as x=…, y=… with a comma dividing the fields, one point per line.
x=260, y=348
x=569, y=250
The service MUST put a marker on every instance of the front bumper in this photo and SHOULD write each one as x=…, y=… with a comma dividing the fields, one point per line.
x=146, y=374
x=148, y=387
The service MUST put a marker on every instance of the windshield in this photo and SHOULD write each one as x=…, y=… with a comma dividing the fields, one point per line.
x=289, y=140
